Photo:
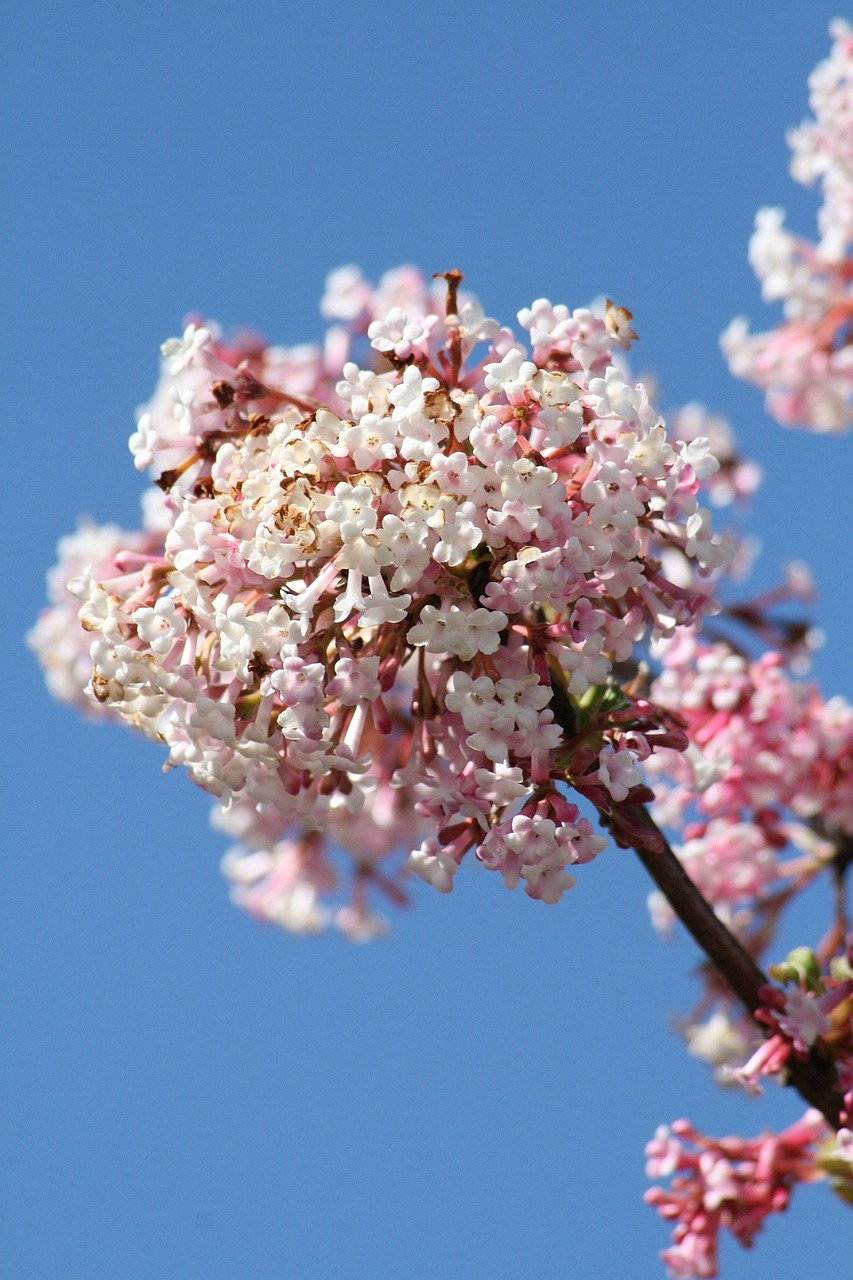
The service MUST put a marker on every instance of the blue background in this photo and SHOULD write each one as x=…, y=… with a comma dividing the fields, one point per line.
x=184, y=1093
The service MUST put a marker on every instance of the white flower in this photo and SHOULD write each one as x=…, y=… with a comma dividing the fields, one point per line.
x=545, y=322
x=489, y=721
x=459, y=632
x=524, y=698
x=433, y=866
x=523, y=481
x=379, y=607
x=458, y=530
x=717, y=1041
x=474, y=700
x=299, y=682
x=181, y=352
x=352, y=509
x=161, y=625
x=615, y=498
x=511, y=373
x=406, y=543
x=370, y=440
x=347, y=294
x=397, y=334
x=474, y=325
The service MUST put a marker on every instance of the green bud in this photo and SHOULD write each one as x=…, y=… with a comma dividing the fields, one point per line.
x=838, y=1165
x=800, y=966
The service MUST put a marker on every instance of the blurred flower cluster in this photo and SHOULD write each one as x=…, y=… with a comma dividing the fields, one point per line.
x=805, y=365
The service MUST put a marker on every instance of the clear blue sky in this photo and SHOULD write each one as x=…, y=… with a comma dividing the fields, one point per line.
x=182, y=1092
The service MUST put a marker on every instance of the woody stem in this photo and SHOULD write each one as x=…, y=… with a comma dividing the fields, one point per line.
x=813, y=1077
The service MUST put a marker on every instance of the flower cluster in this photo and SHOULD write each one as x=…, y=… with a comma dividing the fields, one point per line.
x=805, y=366
x=732, y=1183
x=767, y=757
x=761, y=800
x=760, y=804
x=390, y=605
x=385, y=589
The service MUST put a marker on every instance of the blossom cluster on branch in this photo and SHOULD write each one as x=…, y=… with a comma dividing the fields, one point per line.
x=725, y=1182
x=370, y=595
x=439, y=588
x=761, y=803
x=770, y=767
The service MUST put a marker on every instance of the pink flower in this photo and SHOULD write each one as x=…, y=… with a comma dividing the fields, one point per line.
x=726, y=1183
x=367, y=583
x=805, y=366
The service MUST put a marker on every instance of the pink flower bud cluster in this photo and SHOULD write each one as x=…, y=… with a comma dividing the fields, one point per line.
x=734, y=1182
x=726, y=1183
x=389, y=583
x=768, y=756
x=805, y=366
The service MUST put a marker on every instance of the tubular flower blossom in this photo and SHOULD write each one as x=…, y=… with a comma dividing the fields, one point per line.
x=731, y=1183
x=383, y=588
x=805, y=366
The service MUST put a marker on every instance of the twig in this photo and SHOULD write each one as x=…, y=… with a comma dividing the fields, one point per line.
x=813, y=1077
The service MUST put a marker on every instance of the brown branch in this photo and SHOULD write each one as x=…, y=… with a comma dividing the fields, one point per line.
x=814, y=1078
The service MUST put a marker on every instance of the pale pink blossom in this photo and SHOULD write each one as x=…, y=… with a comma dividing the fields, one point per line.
x=805, y=365
x=366, y=587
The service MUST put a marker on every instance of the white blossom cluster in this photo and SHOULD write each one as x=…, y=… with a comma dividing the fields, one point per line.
x=383, y=597
x=805, y=365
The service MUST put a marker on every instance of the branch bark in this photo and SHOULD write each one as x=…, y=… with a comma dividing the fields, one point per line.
x=812, y=1077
